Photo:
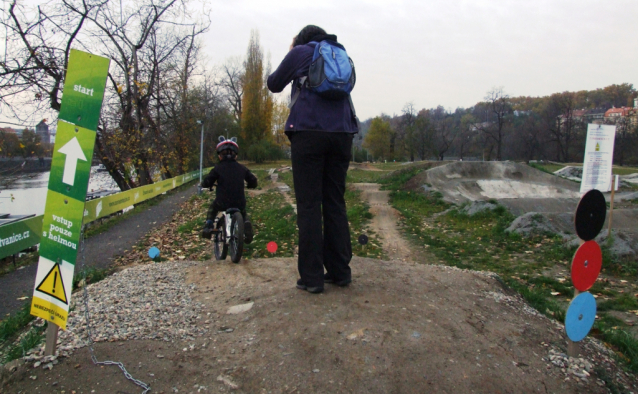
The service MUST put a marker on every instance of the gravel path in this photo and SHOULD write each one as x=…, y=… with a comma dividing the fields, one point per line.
x=144, y=302
x=100, y=249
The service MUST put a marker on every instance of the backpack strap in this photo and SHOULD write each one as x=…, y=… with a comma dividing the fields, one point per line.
x=295, y=96
x=354, y=113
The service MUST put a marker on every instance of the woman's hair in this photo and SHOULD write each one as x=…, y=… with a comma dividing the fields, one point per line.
x=307, y=34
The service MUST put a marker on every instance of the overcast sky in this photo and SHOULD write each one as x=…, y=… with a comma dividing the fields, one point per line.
x=448, y=52
x=436, y=52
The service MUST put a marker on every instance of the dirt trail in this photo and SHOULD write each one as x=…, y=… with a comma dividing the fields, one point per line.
x=364, y=167
x=284, y=191
x=385, y=221
x=398, y=328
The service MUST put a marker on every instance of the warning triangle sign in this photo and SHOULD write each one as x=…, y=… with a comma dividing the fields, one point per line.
x=52, y=284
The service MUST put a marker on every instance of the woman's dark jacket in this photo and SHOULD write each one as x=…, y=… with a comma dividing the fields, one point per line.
x=310, y=111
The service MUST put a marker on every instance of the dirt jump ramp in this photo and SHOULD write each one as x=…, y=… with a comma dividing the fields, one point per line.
x=478, y=181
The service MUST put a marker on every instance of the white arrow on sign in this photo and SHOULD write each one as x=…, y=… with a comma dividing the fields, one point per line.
x=73, y=152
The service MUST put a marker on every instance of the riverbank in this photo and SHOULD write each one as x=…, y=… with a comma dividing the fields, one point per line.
x=31, y=165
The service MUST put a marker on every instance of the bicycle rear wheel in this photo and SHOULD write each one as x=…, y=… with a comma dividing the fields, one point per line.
x=236, y=237
x=219, y=240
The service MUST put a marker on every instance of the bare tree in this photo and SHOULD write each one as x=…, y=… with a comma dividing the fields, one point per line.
x=37, y=47
x=445, y=131
x=497, y=105
x=406, y=126
x=562, y=127
x=528, y=137
x=143, y=42
x=423, y=134
x=232, y=82
x=466, y=135
x=126, y=40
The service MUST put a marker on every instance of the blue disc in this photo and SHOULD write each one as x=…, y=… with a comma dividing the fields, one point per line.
x=153, y=252
x=580, y=316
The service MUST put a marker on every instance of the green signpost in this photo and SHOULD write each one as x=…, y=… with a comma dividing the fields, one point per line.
x=70, y=169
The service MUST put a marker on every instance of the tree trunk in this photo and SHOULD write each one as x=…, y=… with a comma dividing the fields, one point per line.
x=111, y=167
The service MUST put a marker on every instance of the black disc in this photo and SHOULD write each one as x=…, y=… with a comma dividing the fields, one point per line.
x=363, y=239
x=590, y=215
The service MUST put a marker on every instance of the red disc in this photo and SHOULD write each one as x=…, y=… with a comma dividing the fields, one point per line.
x=272, y=246
x=586, y=265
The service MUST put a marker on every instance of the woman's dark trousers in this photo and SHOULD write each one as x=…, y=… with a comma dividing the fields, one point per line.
x=319, y=165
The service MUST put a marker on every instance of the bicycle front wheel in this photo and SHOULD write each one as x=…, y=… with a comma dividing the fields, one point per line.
x=236, y=237
x=219, y=240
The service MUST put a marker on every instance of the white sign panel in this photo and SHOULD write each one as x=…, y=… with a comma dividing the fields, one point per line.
x=599, y=156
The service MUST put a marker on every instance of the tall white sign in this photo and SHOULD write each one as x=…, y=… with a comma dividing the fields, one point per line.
x=599, y=157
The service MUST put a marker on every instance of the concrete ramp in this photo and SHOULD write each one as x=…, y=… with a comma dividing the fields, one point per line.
x=476, y=181
x=526, y=190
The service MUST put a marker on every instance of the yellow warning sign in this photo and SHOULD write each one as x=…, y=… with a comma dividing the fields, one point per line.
x=47, y=310
x=52, y=284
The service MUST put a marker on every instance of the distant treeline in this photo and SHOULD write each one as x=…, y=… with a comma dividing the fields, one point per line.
x=507, y=128
x=27, y=145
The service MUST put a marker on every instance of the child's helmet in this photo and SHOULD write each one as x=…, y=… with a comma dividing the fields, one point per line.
x=230, y=144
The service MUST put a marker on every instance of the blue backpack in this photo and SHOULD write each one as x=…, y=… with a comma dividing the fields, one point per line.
x=331, y=74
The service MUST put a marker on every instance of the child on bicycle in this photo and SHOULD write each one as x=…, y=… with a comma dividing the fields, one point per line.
x=230, y=177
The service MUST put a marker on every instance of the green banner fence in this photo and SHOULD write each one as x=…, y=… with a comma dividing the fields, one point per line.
x=18, y=236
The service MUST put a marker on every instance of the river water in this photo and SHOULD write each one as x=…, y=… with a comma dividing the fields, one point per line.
x=27, y=195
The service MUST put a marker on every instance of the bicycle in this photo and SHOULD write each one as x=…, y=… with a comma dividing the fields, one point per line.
x=229, y=232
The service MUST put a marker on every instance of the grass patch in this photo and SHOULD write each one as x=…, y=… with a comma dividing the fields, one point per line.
x=359, y=217
x=93, y=275
x=623, y=302
x=273, y=220
x=11, y=327
x=13, y=324
x=31, y=339
x=393, y=166
x=618, y=170
x=356, y=175
x=286, y=178
x=267, y=165
x=532, y=266
x=547, y=167
x=396, y=179
x=537, y=298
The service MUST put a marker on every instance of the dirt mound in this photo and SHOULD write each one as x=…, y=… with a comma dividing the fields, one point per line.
x=477, y=207
x=571, y=172
x=397, y=328
x=535, y=223
x=472, y=181
x=624, y=244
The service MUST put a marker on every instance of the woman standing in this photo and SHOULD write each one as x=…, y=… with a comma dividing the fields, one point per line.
x=320, y=132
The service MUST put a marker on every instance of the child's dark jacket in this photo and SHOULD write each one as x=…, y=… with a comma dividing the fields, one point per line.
x=230, y=177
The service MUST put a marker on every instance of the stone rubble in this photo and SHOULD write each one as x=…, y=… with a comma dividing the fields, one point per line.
x=149, y=301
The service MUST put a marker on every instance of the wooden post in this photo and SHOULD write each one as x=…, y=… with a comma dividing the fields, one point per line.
x=611, y=204
x=573, y=348
x=52, y=339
